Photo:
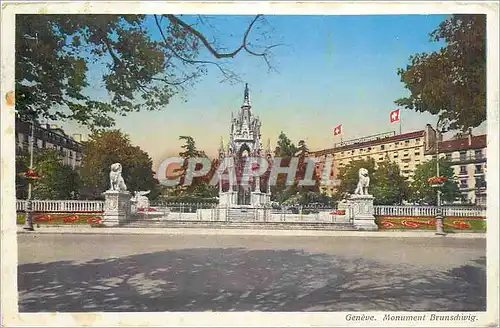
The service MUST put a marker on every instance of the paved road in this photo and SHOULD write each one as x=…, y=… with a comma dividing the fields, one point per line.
x=249, y=273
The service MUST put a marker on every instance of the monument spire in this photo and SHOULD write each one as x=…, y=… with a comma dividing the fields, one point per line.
x=268, y=147
x=246, y=97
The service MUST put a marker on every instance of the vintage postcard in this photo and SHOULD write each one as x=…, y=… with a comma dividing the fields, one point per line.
x=255, y=164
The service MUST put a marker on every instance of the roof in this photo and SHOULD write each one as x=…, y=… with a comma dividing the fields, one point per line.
x=477, y=142
x=398, y=137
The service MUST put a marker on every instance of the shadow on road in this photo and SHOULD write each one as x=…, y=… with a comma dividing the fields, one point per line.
x=237, y=279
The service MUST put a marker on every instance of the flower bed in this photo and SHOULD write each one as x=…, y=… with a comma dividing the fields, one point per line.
x=429, y=223
x=62, y=218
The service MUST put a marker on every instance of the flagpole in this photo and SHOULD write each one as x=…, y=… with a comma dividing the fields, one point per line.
x=400, y=125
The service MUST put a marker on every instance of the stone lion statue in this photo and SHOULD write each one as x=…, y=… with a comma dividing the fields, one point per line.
x=363, y=182
x=116, y=179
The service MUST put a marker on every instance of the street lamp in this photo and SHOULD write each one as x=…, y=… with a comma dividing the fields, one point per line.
x=28, y=222
x=439, y=215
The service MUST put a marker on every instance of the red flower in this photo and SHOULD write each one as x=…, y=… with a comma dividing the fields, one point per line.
x=338, y=212
x=94, y=219
x=437, y=180
x=387, y=224
x=42, y=218
x=70, y=218
x=31, y=174
x=410, y=224
x=461, y=224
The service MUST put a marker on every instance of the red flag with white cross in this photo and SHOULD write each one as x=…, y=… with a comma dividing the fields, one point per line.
x=337, y=130
x=394, y=117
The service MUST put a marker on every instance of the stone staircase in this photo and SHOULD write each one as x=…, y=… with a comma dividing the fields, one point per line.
x=241, y=214
x=236, y=224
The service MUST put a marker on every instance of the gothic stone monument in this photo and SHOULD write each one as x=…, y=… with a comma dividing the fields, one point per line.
x=362, y=204
x=244, y=142
x=116, y=199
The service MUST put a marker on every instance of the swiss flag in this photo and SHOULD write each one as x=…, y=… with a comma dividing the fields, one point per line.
x=337, y=130
x=394, y=117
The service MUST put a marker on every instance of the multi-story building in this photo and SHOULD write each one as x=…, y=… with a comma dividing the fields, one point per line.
x=48, y=136
x=407, y=150
x=467, y=154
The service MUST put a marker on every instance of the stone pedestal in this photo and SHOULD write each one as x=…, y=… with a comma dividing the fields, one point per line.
x=116, y=207
x=259, y=199
x=228, y=198
x=362, y=211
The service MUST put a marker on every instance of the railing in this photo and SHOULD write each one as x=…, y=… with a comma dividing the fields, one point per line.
x=407, y=210
x=68, y=206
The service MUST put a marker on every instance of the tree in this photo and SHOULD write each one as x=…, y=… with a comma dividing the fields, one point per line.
x=200, y=186
x=106, y=148
x=57, y=180
x=59, y=58
x=389, y=187
x=451, y=82
x=286, y=150
x=421, y=190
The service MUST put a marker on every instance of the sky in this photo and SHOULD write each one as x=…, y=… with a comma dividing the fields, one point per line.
x=330, y=70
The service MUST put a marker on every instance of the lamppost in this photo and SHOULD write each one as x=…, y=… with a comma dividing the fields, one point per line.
x=28, y=222
x=439, y=215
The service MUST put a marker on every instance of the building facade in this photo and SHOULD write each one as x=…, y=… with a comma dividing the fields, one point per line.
x=407, y=150
x=48, y=136
x=467, y=155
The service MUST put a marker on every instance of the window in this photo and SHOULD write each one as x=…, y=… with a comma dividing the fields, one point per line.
x=382, y=147
x=396, y=155
x=463, y=169
x=448, y=157
x=417, y=153
x=397, y=143
x=479, y=169
x=407, y=142
x=478, y=154
x=369, y=148
x=480, y=182
x=463, y=183
x=406, y=155
x=417, y=140
x=463, y=155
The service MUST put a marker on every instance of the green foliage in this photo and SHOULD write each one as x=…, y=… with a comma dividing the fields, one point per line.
x=61, y=58
x=348, y=174
x=106, y=148
x=451, y=82
x=200, y=186
x=421, y=190
x=387, y=184
x=57, y=180
x=390, y=186
x=285, y=147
